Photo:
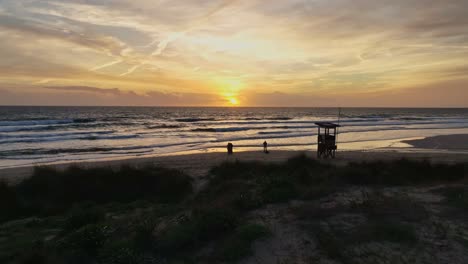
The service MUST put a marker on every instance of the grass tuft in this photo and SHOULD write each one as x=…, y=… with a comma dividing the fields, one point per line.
x=50, y=192
x=201, y=227
x=149, y=215
x=456, y=196
x=381, y=207
x=239, y=244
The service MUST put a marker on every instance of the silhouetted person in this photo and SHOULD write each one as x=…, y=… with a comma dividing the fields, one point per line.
x=265, y=147
x=230, y=148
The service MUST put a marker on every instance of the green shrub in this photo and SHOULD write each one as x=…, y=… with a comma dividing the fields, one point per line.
x=203, y=226
x=384, y=230
x=394, y=232
x=105, y=185
x=378, y=206
x=143, y=239
x=400, y=172
x=213, y=223
x=50, y=191
x=279, y=192
x=456, y=196
x=86, y=241
x=246, y=200
x=236, y=194
x=120, y=251
x=330, y=244
x=10, y=205
x=239, y=244
x=34, y=256
x=82, y=215
x=177, y=238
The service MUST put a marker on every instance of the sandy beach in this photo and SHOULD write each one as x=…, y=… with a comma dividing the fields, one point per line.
x=447, y=142
x=445, y=149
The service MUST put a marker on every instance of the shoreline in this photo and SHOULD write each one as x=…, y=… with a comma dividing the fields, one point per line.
x=445, y=149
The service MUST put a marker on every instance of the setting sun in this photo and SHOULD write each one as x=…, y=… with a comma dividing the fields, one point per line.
x=133, y=107
x=233, y=101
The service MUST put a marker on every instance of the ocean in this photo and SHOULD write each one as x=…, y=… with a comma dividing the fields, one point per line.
x=41, y=135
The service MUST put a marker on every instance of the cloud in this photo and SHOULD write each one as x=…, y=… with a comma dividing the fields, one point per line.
x=114, y=91
x=106, y=44
x=95, y=96
x=302, y=49
x=443, y=94
x=106, y=65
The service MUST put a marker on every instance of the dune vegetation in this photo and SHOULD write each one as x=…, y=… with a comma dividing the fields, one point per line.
x=369, y=212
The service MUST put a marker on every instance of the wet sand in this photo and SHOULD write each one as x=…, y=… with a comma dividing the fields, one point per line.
x=448, y=142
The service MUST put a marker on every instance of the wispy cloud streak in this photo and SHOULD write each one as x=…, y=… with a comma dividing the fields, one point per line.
x=214, y=47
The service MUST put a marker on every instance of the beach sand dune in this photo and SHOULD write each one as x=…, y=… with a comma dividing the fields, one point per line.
x=198, y=165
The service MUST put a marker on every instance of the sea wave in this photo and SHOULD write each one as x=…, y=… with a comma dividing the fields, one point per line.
x=84, y=120
x=59, y=134
x=274, y=132
x=59, y=126
x=279, y=118
x=163, y=126
x=296, y=125
x=313, y=133
x=23, y=153
x=56, y=151
x=50, y=134
x=34, y=122
x=65, y=137
x=193, y=120
x=238, y=129
x=227, y=129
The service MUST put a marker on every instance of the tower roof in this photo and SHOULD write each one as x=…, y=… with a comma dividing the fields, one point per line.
x=327, y=125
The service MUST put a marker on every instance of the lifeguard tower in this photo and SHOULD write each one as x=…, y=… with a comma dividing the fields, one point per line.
x=326, y=140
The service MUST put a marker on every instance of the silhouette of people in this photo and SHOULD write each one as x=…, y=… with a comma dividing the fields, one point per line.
x=265, y=148
x=230, y=148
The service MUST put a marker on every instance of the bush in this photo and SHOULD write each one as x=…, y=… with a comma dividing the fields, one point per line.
x=120, y=252
x=378, y=206
x=213, y=223
x=400, y=172
x=10, y=205
x=239, y=244
x=84, y=242
x=332, y=246
x=105, y=185
x=50, y=191
x=456, y=196
x=394, y=232
x=177, y=238
x=203, y=226
x=82, y=215
x=261, y=183
x=236, y=194
x=34, y=257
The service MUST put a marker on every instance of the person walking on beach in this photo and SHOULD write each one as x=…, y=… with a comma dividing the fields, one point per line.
x=230, y=148
x=265, y=147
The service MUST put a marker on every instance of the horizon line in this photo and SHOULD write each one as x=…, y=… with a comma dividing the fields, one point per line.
x=234, y=107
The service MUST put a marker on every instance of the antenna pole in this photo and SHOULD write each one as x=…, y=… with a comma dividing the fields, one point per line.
x=339, y=116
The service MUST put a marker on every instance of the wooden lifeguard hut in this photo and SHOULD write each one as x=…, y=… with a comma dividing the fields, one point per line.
x=326, y=139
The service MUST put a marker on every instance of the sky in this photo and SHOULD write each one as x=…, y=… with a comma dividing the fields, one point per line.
x=385, y=53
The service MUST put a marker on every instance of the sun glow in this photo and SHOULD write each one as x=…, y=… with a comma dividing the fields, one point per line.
x=233, y=101
x=229, y=89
